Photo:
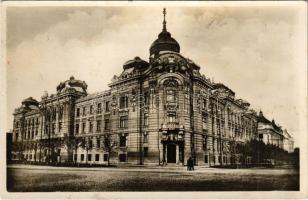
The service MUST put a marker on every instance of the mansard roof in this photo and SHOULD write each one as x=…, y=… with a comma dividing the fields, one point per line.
x=275, y=126
x=263, y=119
x=92, y=96
x=220, y=85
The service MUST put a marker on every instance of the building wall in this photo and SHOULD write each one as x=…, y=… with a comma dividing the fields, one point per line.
x=147, y=115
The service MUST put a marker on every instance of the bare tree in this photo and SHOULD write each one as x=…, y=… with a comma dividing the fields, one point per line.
x=19, y=147
x=109, y=145
x=86, y=143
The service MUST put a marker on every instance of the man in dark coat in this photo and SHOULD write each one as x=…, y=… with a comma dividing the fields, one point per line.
x=189, y=164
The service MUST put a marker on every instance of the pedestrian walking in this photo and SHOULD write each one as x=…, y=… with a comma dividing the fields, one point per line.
x=192, y=164
x=189, y=164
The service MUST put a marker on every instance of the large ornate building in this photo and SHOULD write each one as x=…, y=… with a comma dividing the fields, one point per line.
x=157, y=111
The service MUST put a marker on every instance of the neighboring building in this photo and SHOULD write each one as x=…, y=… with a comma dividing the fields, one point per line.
x=269, y=132
x=288, y=141
x=159, y=111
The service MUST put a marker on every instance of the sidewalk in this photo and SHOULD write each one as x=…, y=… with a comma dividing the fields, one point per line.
x=128, y=168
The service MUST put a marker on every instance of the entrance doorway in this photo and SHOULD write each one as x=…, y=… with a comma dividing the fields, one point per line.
x=171, y=153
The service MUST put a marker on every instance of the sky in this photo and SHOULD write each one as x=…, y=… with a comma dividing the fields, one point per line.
x=257, y=51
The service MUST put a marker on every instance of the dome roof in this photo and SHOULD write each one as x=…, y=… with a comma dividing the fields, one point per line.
x=164, y=42
x=29, y=101
x=78, y=85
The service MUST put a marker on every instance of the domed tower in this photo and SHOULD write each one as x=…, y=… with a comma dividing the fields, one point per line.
x=164, y=42
x=72, y=85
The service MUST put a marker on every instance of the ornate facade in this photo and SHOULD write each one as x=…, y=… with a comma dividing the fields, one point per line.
x=155, y=112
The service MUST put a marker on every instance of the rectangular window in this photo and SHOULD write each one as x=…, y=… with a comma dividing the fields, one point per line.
x=145, y=138
x=123, y=122
x=206, y=159
x=98, y=125
x=122, y=157
x=90, y=127
x=82, y=157
x=91, y=109
x=53, y=129
x=99, y=108
x=105, y=157
x=83, y=127
x=89, y=157
x=205, y=143
x=83, y=111
x=60, y=126
x=60, y=113
x=90, y=143
x=75, y=157
x=122, y=141
x=96, y=157
x=204, y=123
x=145, y=152
x=77, y=128
x=107, y=124
x=78, y=112
x=203, y=105
x=98, y=142
x=123, y=102
x=107, y=106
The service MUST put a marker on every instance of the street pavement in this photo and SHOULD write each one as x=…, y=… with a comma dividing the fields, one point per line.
x=153, y=168
x=34, y=178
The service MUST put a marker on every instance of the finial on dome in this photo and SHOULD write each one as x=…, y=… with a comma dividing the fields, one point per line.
x=164, y=22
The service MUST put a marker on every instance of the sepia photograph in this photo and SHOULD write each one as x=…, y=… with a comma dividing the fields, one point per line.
x=155, y=97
